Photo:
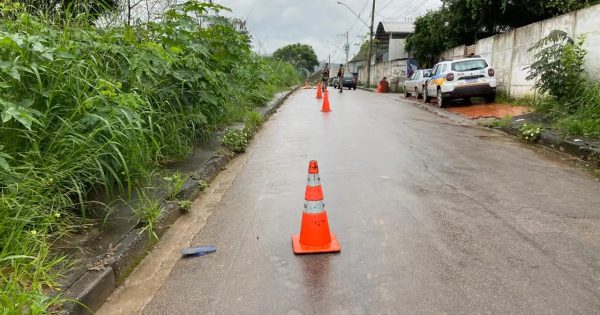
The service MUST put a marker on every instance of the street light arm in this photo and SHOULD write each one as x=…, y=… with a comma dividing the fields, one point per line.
x=357, y=15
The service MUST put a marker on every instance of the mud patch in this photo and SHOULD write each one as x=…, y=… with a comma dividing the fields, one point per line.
x=489, y=110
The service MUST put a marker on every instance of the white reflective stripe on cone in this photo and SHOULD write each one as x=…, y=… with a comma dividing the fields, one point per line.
x=313, y=180
x=314, y=206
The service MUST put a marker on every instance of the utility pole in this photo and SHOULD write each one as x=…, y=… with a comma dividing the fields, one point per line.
x=370, y=46
x=347, y=48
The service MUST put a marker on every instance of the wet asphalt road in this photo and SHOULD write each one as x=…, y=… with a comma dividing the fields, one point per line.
x=432, y=217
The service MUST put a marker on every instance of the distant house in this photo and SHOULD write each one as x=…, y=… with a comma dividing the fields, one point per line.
x=389, y=58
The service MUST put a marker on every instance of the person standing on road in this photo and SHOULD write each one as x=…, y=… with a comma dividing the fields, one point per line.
x=340, y=76
x=325, y=77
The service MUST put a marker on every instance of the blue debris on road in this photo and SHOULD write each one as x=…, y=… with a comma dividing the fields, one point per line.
x=198, y=251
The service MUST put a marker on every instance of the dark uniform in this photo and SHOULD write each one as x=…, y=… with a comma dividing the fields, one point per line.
x=325, y=77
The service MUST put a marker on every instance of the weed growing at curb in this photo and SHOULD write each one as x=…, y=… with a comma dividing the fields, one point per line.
x=504, y=122
x=530, y=132
x=184, y=205
x=147, y=213
x=174, y=184
x=202, y=184
x=236, y=140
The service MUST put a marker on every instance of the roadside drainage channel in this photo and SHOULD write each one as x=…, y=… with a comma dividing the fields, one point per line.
x=579, y=148
x=89, y=291
x=588, y=151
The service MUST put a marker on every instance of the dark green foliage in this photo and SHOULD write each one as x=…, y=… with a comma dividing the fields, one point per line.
x=431, y=37
x=83, y=108
x=301, y=56
x=558, y=65
x=466, y=21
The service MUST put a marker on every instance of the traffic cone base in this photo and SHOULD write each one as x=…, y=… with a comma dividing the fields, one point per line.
x=315, y=236
x=319, y=92
x=334, y=246
x=325, y=108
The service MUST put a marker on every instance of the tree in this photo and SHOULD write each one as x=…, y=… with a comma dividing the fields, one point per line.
x=301, y=56
x=431, y=36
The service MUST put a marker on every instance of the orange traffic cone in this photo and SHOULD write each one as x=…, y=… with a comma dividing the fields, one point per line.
x=314, y=236
x=319, y=92
x=378, y=88
x=325, y=108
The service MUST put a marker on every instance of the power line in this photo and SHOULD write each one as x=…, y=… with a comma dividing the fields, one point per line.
x=409, y=11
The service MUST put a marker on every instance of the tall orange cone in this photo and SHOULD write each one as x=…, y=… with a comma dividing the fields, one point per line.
x=315, y=236
x=378, y=88
x=319, y=92
x=325, y=108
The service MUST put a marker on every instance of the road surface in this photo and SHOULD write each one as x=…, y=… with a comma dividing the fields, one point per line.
x=432, y=217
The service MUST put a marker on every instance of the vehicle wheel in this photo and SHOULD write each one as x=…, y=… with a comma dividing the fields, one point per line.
x=426, y=97
x=406, y=94
x=441, y=102
x=355, y=87
x=490, y=98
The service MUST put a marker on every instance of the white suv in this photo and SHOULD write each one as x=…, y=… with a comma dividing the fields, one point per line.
x=462, y=78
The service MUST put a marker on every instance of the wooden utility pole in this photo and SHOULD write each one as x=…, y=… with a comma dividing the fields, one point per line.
x=370, y=46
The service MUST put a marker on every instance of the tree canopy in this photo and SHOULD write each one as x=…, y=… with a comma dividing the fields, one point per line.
x=466, y=21
x=301, y=56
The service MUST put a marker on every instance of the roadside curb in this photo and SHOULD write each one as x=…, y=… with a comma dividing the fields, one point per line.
x=94, y=286
x=554, y=141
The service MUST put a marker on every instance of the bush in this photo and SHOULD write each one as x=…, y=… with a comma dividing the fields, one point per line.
x=558, y=64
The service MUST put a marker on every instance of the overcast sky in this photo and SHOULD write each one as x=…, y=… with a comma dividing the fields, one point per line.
x=319, y=23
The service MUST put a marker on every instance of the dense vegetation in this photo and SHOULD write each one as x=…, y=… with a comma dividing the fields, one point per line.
x=572, y=100
x=84, y=107
x=466, y=21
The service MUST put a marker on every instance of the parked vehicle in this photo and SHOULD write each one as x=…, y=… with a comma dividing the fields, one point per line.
x=349, y=81
x=462, y=78
x=333, y=81
x=416, y=83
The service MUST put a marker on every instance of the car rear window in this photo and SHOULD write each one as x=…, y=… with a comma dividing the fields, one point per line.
x=348, y=76
x=469, y=65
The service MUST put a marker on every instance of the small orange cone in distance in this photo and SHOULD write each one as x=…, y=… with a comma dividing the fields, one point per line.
x=319, y=92
x=315, y=236
x=325, y=108
x=378, y=88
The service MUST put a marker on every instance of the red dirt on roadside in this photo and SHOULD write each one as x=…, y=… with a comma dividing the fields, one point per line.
x=489, y=110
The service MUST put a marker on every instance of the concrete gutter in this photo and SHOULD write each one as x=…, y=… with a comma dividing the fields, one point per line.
x=553, y=140
x=88, y=292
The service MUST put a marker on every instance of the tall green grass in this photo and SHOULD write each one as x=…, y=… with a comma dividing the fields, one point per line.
x=578, y=115
x=83, y=108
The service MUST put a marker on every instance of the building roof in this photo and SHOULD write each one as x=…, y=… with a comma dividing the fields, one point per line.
x=397, y=28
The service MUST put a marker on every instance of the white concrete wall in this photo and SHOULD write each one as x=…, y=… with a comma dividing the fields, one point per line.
x=508, y=53
x=396, y=49
x=393, y=70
